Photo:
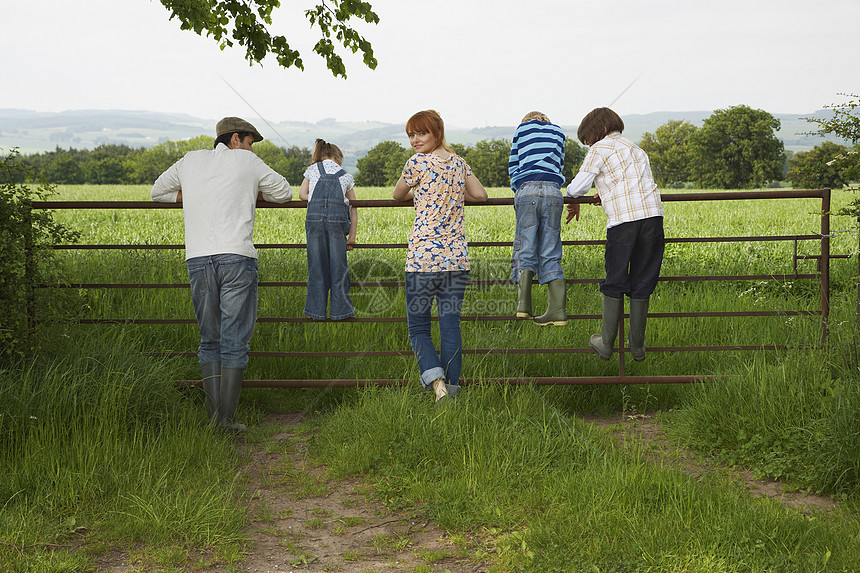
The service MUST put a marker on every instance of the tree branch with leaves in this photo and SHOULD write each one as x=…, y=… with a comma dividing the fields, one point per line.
x=845, y=123
x=245, y=22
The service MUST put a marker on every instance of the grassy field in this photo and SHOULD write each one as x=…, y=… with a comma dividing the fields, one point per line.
x=98, y=440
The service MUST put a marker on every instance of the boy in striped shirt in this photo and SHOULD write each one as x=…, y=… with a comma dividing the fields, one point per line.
x=536, y=161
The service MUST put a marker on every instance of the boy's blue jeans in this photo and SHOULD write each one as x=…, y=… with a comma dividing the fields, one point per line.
x=224, y=294
x=537, y=243
x=634, y=255
x=448, y=288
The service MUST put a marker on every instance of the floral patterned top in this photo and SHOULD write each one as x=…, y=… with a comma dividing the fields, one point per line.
x=437, y=241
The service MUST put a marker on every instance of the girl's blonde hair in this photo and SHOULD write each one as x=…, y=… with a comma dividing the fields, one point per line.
x=429, y=121
x=326, y=150
x=538, y=115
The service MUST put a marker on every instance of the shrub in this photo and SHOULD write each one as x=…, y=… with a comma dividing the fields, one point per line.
x=26, y=238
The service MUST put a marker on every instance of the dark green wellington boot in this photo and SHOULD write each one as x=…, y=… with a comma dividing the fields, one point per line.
x=636, y=333
x=212, y=389
x=524, y=296
x=604, y=342
x=556, y=311
x=231, y=386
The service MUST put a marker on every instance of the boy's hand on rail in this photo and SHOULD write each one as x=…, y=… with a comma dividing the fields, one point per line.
x=572, y=212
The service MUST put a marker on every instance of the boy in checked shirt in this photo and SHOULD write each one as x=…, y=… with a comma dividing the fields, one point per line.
x=621, y=173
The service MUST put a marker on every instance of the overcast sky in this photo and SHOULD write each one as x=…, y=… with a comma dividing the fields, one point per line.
x=478, y=63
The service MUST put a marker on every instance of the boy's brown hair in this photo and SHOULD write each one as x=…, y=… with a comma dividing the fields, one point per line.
x=538, y=115
x=326, y=150
x=597, y=123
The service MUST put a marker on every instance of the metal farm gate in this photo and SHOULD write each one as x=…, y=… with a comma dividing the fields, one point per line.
x=821, y=275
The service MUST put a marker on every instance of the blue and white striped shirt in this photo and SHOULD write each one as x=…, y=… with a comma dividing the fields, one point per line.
x=537, y=153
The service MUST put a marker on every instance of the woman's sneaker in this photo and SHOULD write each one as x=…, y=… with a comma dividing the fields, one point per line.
x=441, y=391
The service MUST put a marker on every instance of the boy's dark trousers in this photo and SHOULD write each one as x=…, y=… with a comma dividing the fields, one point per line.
x=634, y=255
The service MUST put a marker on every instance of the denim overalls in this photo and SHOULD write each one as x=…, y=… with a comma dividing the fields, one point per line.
x=327, y=227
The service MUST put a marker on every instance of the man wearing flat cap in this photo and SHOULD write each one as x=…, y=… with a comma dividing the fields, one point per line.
x=218, y=189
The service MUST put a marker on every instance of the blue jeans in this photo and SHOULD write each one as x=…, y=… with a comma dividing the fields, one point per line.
x=448, y=288
x=634, y=255
x=224, y=293
x=537, y=243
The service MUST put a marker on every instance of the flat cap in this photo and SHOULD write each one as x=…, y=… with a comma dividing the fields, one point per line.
x=237, y=124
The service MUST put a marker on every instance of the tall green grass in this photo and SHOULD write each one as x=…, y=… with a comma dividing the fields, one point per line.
x=100, y=446
x=790, y=415
x=537, y=490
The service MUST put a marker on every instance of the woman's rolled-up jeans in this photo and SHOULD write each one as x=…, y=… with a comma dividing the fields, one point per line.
x=448, y=289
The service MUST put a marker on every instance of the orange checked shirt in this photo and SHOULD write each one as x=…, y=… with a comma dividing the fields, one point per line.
x=622, y=175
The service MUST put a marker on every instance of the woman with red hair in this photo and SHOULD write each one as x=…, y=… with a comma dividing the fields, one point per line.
x=437, y=261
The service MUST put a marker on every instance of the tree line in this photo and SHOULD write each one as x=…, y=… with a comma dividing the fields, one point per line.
x=382, y=165
x=735, y=148
x=122, y=164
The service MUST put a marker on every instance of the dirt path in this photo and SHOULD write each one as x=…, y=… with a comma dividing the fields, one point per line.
x=648, y=433
x=302, y=520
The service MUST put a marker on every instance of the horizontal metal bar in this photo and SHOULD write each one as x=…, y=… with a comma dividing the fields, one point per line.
x=731, y=313
x=742, y=277
x=465, y=318
x=484, y=351
x=397, y=284
x=818, y=257
x=595, y=242
x=666, y=197
x=751, y=239
x=541, y=381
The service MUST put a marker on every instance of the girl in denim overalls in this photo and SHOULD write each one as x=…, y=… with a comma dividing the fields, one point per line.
x=330, y=226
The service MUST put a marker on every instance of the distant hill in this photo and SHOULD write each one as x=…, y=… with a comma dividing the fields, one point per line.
x=33, y=132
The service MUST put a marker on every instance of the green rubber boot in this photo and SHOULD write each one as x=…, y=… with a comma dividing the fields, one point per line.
x=524, y=297
x=636, y=332
x=212, y=389
x=604, y=342
x=231, y=386
x=556, y=311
